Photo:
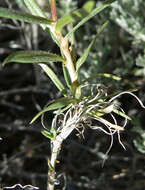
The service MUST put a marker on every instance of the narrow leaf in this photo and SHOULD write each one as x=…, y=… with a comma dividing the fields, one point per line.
x=74, y=16
x=35, y=9
x=32, y=57
x=78, y=92
x=47, y=134
x=53, y=77
x=58, y=104
x=95, y=11
x=12, y=14
x=83, y=58
x=106, y=75
x=121, y=114
x=64, y=109
x=66, y=76
x=107, y=109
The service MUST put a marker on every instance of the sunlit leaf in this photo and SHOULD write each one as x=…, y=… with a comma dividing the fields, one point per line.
x=83, y=58
x=75, y=15
x=58, y=104
x=121, y=114
x=32, y=57
x=106, y=75
x=53, y=77
x=48, y=134
x=78, y=93
x=95, y=11
x=107, y=109
x=12, y=14
x=96, y=113
x=63, y=109
x=35, y=9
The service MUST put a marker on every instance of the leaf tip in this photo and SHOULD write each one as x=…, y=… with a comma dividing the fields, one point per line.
x=32, y=121
x=3, y=63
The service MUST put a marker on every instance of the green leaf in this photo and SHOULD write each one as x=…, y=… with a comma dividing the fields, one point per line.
x=75, y=15
x=121, y=114
x=58, y=104
x=83, y=58
x=53, y=77
x=48, y=134
x=35, y=9
x=106, y=110
x=78, y=92
x=140, y=60
x=139, y=141
x=32, y=57
x=17, y=15
x=95, y=113
x=66, y=76
x=106, y=75
x=95, y=11
x=64, y=109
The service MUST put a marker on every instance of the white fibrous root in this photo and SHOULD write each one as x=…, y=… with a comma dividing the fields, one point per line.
x=90, y=112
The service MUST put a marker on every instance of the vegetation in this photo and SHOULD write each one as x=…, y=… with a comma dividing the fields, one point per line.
x=87, y=100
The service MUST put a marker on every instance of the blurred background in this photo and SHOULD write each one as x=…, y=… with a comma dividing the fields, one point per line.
x=25, y=90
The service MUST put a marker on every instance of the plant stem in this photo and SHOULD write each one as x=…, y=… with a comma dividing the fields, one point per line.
x=69, y=62
x=53, y=10
x=64, y=46
x=56, y=143
x=56, y=146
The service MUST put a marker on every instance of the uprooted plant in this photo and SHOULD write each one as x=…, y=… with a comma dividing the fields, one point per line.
x=76, y=109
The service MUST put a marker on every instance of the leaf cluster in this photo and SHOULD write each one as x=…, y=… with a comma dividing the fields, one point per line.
x=72, y=89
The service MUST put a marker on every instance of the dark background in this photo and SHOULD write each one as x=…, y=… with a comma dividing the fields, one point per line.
x=25, y=90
